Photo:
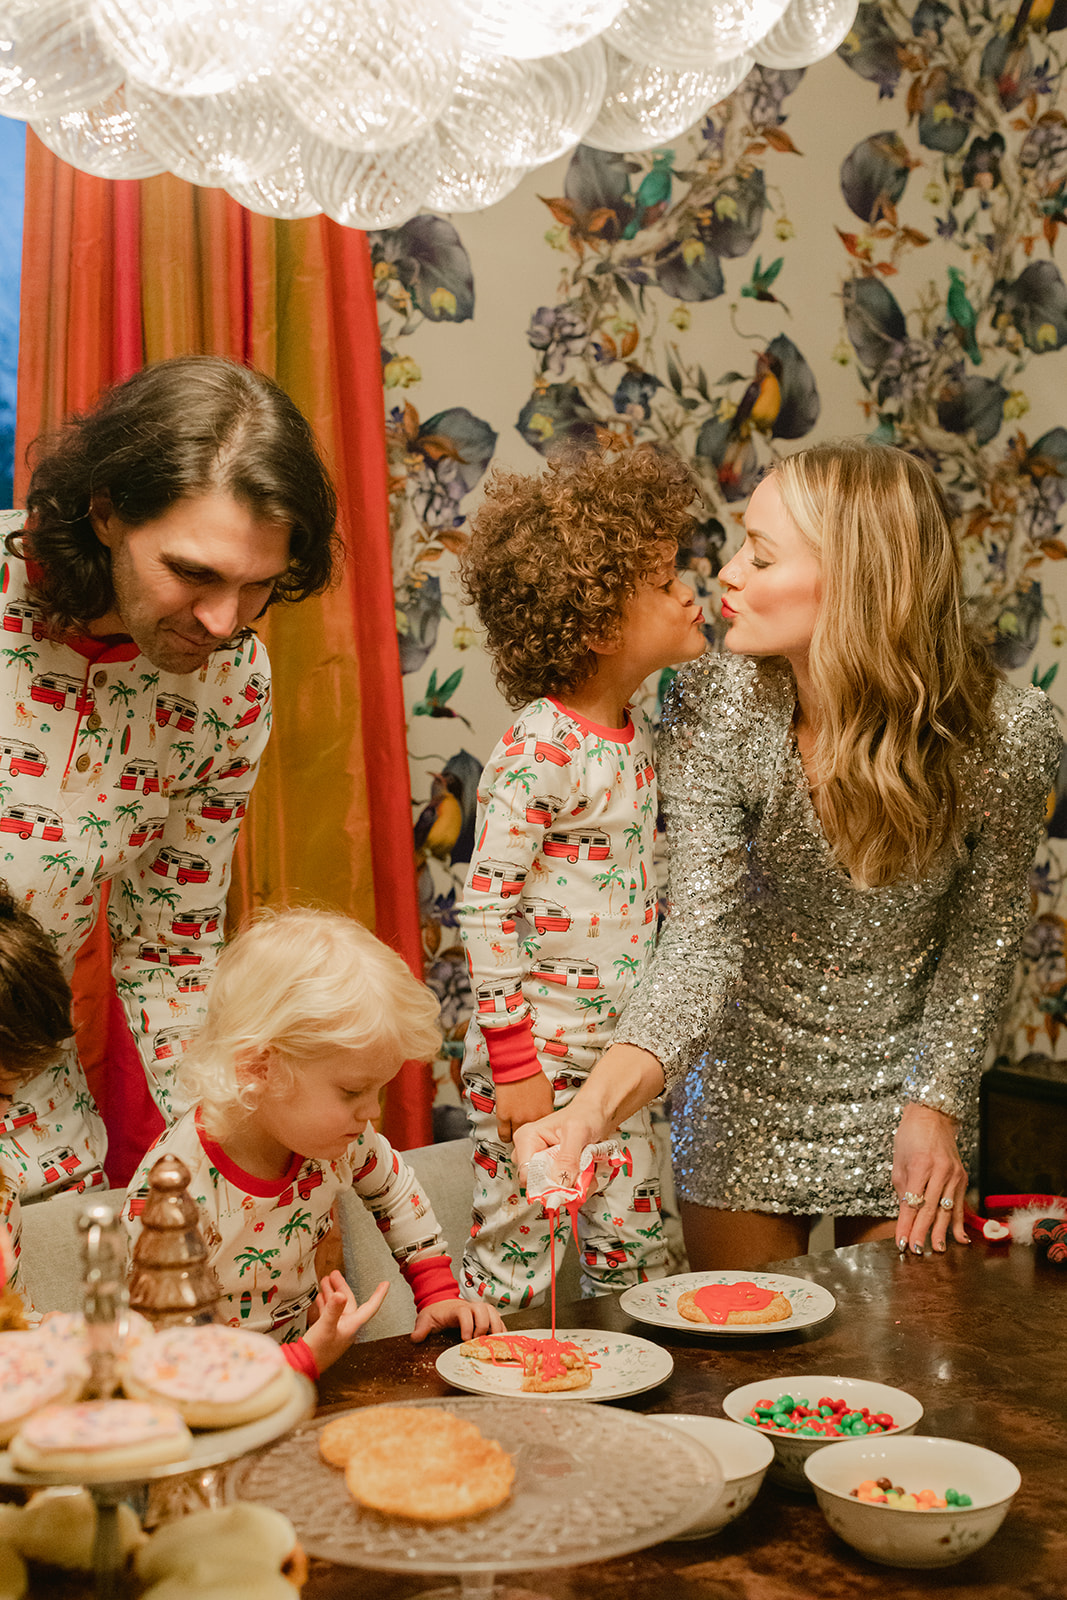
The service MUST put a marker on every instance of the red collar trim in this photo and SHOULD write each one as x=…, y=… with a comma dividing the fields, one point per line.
x=111, y=647
x=262, y=1188
x=614, y=735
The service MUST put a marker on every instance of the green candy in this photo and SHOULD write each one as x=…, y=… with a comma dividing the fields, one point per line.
x=785, y=1403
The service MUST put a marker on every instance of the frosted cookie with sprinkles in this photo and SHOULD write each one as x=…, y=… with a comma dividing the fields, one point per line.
x=100, y=1438
x=32, y=1377
x=214, y=1377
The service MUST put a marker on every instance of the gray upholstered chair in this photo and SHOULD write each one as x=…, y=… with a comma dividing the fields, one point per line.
x=50, y=1266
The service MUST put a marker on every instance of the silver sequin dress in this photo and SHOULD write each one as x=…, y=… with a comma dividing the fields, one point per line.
x=793, y=1012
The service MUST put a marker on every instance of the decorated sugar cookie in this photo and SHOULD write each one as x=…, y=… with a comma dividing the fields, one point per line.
x=32, y=1377
x=215, y=1377
x=100, y=1438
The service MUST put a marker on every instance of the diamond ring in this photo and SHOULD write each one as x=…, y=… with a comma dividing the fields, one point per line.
x=913, y=1200
x=946, y=1202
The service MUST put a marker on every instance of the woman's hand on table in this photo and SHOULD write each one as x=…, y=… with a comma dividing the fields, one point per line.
x=926, y=1170
x=471, y=1317
x=338, y=1317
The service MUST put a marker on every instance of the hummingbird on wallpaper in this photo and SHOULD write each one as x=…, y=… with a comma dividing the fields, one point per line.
x=758, y=286
x=963, y=315
x=434, y=702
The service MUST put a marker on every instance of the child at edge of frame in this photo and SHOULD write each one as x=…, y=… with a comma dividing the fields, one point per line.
x=35, y=1026
x=573, y=576
x=308, y=1018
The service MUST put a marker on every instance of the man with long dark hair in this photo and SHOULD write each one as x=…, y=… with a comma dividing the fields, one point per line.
x=134, y=698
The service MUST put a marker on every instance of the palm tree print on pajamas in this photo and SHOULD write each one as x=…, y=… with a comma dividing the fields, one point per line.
x=299, y=1222
x=253, y=1259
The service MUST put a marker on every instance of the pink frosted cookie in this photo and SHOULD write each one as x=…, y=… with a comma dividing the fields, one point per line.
x=100, y=1438
x=215, y=1377
x=31, y=1377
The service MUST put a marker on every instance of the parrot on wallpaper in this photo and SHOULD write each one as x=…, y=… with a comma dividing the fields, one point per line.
x=963, y=315
x=1038, y=15
x=438, y=825
x=653, y=194
x=762, y=400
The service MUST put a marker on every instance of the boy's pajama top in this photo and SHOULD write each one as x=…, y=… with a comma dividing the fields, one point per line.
x=558, y=921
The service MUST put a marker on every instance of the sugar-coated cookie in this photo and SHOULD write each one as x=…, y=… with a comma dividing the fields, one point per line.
x=216, y=1377
x=57, y=1528
x=428, y=1465
x=339, y=1438
x=32, y=1377
x=244, y=1539
x=100, y=1438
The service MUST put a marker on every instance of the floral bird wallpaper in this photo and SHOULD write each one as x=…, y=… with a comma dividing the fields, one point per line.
x=865, y=248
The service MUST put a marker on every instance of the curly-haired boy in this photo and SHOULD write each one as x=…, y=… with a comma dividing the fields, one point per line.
x=573, y=577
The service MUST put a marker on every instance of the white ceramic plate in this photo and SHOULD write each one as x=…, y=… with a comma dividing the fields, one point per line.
x=656, y=1303
x=622, y=1365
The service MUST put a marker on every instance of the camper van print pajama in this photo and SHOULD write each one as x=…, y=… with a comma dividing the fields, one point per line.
x=112, y=772
x=262, y=1233
x=558, y=921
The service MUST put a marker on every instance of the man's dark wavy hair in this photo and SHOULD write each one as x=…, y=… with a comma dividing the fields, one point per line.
x=175, y=430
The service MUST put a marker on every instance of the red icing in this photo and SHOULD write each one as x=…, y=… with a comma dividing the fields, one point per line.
x=717, y=1300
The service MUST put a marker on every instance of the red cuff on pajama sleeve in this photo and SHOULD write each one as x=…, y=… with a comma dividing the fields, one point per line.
x=512, y=1055
x=299, y=1356
x=430, y=1279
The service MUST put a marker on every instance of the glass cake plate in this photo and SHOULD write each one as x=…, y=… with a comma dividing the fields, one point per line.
x=590, y=1484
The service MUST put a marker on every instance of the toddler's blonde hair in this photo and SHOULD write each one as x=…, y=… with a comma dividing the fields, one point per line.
x=295, y=984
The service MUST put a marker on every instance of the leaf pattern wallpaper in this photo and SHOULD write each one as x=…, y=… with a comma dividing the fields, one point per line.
x=865, y=248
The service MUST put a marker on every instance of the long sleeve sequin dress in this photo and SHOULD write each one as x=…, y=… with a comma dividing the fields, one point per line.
x=792, y=1011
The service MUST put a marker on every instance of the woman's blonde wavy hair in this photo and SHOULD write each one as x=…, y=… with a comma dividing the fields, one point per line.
x=295, y=984
x=904, y=688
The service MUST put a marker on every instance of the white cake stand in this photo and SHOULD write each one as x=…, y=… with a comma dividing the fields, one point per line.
x=590, y=1484
x=211, y=1448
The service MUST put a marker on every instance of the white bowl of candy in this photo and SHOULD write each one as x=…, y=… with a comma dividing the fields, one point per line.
x=955, y=1496
x=804, y=1413
x=744, y=1456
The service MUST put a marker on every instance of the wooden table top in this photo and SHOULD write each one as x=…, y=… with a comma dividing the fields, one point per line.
x=977, y=1335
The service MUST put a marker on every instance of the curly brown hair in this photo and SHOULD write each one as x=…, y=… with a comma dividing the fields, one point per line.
x=554, y=560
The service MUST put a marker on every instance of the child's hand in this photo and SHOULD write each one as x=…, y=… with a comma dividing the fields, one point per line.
x=340, y=1317
x=469, y=1316
x=525, y=1101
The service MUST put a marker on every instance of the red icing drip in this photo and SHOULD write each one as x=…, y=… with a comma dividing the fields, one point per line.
x=520, y=1345
x=717, y=1300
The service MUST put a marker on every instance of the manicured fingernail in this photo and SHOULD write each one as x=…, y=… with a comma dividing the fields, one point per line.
x=940, y=1248
x=917, y=1249
x=902, y=1245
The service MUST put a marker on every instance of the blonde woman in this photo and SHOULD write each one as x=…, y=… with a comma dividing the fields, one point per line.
x=853, y=799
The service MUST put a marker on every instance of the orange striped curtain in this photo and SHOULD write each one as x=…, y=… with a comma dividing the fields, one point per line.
x=119, y=273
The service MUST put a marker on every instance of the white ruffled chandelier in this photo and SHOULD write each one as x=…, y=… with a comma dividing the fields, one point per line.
x=371, y=110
